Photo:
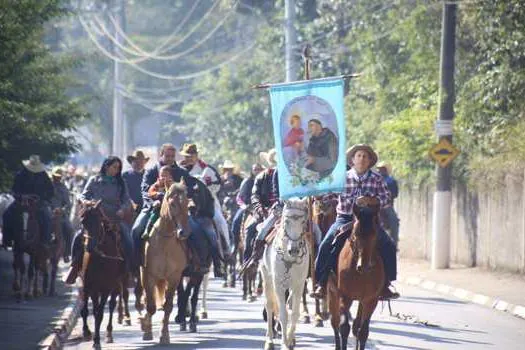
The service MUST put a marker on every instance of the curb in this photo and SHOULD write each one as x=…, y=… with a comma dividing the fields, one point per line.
x=466, y=295
x=64, y=325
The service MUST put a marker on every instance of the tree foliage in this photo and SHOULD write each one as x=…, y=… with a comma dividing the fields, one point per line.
x=34, y=106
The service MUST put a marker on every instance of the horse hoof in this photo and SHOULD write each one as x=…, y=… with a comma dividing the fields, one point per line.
x=164, y=339
x=86, y=334
x=109, y=339
x=119, y=320
x=268, y=346
x=306, y=319
x=147, y=336
x=252, y=298
x=204, y=315
x=225, y=285
x=232, y=285
x=319, y=323
x=193, y=327
x=97, y=346
x=244, y=297
x=127, y=321
x=183, y=327
x=177, y=319
x=259, y=291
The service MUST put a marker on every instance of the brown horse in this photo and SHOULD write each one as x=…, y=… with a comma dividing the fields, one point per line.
x=359, y=276
x=57, y=248
x=104, y=270
x=165, y=258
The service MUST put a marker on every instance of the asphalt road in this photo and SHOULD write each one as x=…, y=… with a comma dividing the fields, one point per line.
x=420, y=320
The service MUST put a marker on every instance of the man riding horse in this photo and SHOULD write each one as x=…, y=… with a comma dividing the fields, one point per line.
x=133, y=178
x=360, y=181
x=167, y=158
x=109, y=188
x=267, y=207
x=61, y=205
x=32, y=180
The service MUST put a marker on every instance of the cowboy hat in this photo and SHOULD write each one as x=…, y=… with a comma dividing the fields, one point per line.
x=137, y=155
x=228, y=164
x=57, y=172
x=362, y=147
x=385, y=165
x=189, y=149
x=33, y=164
x=269, y=157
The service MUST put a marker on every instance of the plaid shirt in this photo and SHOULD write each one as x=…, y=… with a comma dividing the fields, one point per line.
x=369, y=184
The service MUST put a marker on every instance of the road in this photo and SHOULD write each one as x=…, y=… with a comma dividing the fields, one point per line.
x=421, y=320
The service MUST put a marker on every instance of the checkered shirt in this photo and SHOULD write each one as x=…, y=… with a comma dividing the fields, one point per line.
x=369, y=184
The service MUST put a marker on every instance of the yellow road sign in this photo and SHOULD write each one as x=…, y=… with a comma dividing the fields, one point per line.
x=443, y=153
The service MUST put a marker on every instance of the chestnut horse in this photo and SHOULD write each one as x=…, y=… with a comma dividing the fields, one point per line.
x=166, y=257
x=360, y=275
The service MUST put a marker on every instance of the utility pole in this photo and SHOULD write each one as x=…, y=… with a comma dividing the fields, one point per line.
x=125, y=123
x=117, y=148
x=290, y=38
x=443, y=196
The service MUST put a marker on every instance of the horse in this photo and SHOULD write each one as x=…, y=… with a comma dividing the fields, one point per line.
x=58, y=246
x=245, y=247
x=166, y=257
x=323, y=216
x=103, y=269
x=285, y=267
x=359, y=276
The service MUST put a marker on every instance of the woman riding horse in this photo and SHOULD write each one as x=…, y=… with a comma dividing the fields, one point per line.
x=360, y=181
x=109, y=188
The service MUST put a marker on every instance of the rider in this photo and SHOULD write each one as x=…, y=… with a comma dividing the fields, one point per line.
x=157, y=192
x=133, y=177
x=61, y=204
x=32, y=180
x=209, y=176
x=231, y=183
x=360, y=181
x=266, y=204
x=244, y=198
x=108, y=187
x=390, y=215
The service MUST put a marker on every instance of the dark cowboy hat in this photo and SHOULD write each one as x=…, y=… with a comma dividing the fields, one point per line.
x=137, y=155
x=189, y=149
x=362, y=147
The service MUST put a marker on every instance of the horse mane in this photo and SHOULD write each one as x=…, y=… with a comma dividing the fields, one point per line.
x=165, y=222
x=366, y=222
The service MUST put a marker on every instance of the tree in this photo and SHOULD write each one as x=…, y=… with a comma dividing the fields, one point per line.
x=34, y=107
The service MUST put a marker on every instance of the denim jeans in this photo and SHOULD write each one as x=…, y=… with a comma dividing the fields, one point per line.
x=206, y=225
x=328, y=253
x=392, y=222
x=136, y=233
x=44, y=221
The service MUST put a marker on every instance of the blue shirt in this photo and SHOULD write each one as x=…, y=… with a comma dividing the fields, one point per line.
x=134, y=180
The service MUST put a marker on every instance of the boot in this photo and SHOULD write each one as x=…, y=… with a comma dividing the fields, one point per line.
x=258, y=251
x=76, y=268
x=319, y=292
x=388, y=294
x=217, y=271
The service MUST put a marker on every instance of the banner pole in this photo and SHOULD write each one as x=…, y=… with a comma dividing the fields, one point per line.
x=307, y=57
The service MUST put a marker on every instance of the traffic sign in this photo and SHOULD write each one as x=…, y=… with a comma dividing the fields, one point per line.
x=443, y=152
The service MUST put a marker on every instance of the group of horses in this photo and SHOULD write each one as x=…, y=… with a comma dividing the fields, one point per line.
x=170, y=265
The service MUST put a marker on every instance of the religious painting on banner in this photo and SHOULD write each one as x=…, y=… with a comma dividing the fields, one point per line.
x=309, y=130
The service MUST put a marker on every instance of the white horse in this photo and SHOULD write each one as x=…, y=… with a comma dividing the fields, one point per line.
x=285, y=267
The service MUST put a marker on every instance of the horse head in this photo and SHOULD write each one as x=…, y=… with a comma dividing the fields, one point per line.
x=92, y=217
x=175, y=207
x=364, y=234
x=294, y=225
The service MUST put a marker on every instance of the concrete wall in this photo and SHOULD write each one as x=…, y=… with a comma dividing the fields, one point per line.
x=487, y=228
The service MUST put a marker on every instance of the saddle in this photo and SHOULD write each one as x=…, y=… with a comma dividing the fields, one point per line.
x=273, y=232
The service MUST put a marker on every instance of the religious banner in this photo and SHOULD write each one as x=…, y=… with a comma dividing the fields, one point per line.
x=309, y=131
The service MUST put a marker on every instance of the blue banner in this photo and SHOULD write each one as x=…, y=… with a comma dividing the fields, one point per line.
x=309, y=131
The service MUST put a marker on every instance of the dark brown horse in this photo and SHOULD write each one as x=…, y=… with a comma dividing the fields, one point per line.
x=57, y=247
x=359, y=276
x=104, y=270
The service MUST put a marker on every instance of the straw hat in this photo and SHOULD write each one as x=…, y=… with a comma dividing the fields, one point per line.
x=228, y=164
x=269, y=158
x=57, y=172
x=189, y=149
x=137, y=155
x=385, y=165
x=33, y=164
x=362, y=147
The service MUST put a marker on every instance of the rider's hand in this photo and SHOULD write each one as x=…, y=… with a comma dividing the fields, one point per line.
x=120, y=213
x=207, y=180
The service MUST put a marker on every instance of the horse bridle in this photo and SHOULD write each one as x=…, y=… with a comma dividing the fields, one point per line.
x=106, y=222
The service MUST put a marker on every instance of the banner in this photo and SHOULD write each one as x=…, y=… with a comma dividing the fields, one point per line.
x=309, y=131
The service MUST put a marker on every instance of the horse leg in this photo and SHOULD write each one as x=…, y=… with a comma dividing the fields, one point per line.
x=120, y=310
x=367, y=309
x=333, y=305
x=296, y=305
x=151, y=307
x=283, y=314
x=54, y=267
x=306, y=313
x=30, y=277
x=18, y=266
x=45, y=277
x=138, y=292
x=99, y=315
x=260, y=285
x=194, y=300
x=86, y=333
x=270, y=307
x=183, y=306
x=233, y=271
x=344, y=318
x=318, y=317
x=112, y=304
x=125, y=298
x=168, y=307
x=204, y=307
x=245, y=287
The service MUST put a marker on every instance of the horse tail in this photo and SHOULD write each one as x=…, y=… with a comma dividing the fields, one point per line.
x=161, y=292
